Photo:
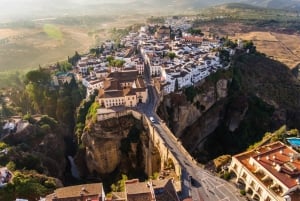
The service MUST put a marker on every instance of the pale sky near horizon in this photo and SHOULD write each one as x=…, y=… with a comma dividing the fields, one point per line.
x=19, y=8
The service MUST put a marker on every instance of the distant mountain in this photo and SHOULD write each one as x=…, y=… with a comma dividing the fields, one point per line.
x=17, y=9
x=196, y=4
x=278, y=4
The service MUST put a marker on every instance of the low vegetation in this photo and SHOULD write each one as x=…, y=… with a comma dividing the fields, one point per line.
x=278, y=135
x=27, y=184
x=53, y=31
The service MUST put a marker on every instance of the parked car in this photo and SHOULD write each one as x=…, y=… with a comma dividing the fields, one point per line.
x=152, y=119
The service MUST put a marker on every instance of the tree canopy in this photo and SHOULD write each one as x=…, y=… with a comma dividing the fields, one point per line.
x=39, y=76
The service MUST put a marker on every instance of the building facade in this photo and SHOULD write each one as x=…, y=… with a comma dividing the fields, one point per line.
x=269, y=173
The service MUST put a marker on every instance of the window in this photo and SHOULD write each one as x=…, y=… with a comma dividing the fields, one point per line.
x=259, y=191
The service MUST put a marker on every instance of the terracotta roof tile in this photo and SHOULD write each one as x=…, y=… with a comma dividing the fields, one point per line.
x=278, y=159
x=92, y=191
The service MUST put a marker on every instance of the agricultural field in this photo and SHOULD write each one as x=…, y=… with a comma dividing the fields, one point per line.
x=279, y=46
x=44, y=42
x=28, y=48
x=26, y=45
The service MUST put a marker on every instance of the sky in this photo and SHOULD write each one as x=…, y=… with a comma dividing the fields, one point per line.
x=32, y=9
x=18, y=9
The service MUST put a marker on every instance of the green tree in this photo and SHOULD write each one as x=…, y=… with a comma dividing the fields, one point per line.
x=195, y=31
x=74, y=59
x=120, y=185
x=229, y=43
x=190, y=93
x=171, y=55
x=40, y=76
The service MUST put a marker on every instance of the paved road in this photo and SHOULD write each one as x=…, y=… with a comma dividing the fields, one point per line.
x=204, y=185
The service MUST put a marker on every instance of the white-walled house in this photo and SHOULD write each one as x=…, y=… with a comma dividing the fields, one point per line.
x=92, y=84
x=62, y=78
x=101, y=73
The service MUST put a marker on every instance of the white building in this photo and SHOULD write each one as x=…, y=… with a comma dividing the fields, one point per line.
x=269, y=173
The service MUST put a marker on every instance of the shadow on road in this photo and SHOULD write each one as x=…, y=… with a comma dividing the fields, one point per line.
x=195, y=183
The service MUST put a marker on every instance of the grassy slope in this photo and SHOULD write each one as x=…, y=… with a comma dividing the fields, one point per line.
x=269, y=79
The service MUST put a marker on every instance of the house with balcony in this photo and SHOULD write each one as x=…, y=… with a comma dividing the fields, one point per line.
x=269, y=173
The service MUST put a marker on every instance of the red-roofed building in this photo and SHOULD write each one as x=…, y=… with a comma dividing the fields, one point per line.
x=123, y=88
x=85, y=192
x=269, y=173
x=197, y=40
x=155, y=190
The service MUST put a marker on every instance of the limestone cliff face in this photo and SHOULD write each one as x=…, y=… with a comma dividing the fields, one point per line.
x=103, y=142
x=117, y=143
x=183, y=114
x=195, y=135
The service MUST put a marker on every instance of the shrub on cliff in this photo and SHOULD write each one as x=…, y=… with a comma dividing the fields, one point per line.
x=92, y=114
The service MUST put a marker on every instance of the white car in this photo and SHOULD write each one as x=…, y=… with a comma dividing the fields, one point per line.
x=152, y=119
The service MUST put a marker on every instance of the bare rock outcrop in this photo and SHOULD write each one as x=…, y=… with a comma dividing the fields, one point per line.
x=182, y=114
x=117, y=143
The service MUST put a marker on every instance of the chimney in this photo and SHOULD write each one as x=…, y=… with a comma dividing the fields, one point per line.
x=298, y=180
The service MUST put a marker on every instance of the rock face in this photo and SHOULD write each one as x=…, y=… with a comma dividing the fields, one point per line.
x=195, y=135
x=182, y=114
x=226, y=116
x=118, y=143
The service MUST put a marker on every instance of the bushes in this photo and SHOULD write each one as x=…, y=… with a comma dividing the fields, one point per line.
x=11, y=166
x=46, y=120
x=29, y=185
x=3, y=145
x=92, y=113
x=226, y=176
x=120, y=185
x=242, y=192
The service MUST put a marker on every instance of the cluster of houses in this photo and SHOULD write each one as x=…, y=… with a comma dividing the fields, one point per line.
x=159, y=190
x=179, y=62
x=185, y=60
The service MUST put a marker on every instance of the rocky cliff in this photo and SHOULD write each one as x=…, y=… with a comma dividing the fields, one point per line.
x=118, y=144
x=225, y=116
x=181, y=113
